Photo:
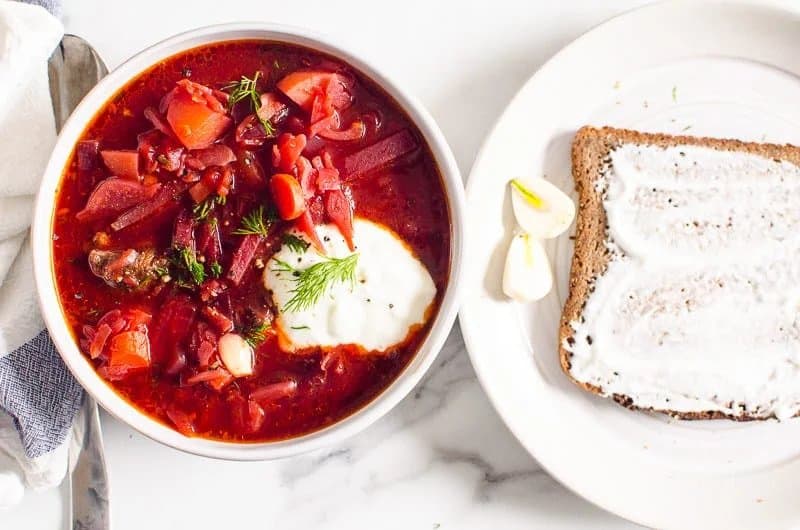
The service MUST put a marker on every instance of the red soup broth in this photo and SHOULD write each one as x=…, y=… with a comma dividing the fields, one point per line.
x=183, y=384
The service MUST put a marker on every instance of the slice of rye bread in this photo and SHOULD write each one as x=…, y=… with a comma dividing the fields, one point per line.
x=591, y=149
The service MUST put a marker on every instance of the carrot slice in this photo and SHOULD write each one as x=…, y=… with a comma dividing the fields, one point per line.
x=195, y=124
x=129, y=350
x=338, y=208
x=288, y=196
x=302, y=86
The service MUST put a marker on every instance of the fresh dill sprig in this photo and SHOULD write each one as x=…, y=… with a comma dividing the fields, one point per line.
x=316, y=280
x=247, y=89
x=256, y=333
x=215, y=269
x=202, y=209
x=295, y=244
x=254, y=223
x=188, y=269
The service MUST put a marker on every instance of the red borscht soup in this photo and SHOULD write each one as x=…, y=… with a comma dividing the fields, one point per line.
x=251, y=241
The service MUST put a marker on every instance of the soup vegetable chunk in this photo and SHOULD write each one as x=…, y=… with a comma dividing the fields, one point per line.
x=251, y=241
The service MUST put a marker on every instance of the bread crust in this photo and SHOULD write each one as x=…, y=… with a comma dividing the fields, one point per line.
x=591, y=149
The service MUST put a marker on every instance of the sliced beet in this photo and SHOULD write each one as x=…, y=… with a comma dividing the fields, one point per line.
x=87, y=153
x=114, y=195
x=167, y=194
x=183, y=235
x=208, y=242
x=380, y=154
x=243, y=257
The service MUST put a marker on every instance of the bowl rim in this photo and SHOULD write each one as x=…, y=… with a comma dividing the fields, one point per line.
x=41, y=233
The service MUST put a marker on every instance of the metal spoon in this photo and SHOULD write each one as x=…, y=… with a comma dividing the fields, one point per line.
x=74, y=68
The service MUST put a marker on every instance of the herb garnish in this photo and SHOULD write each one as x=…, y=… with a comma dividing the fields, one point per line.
x=254, y=223
x=188, y=269
x=244, y=89
x=313, y=282
x=300, y=327
x=256, y=333
x=215, y=269
x=295, y=244
x=202, y=209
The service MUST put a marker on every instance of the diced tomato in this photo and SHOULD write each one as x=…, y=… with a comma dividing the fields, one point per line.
x=129, y=350
x=338, y=208
x=302, y=86
x=122, y=163
x=287, y=150
x=288, y=196
x=305, y=224
x=114, y=195
x=195, y=124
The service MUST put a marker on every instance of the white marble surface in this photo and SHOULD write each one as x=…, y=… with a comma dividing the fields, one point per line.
x=443, y=458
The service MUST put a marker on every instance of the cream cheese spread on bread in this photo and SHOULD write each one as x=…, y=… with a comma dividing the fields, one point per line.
x=699, y=308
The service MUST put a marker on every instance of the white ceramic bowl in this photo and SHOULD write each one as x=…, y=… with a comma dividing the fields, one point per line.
x=43, y=253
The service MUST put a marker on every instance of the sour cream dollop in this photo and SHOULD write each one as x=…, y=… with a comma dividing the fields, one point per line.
x=392, y=291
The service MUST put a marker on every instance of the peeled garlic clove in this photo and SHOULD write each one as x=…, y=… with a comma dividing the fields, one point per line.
x=527, y=275
x=236, y=354
x=541, y=209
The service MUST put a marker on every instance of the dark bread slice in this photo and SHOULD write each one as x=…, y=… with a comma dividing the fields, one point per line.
x=591, y=149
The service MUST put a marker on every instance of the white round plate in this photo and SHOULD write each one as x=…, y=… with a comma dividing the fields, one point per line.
x=704, y=68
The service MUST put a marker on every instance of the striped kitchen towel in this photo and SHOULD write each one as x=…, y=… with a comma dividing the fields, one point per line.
x=39, y=398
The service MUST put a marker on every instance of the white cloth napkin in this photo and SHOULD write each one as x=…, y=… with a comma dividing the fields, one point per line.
x=38, y=397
